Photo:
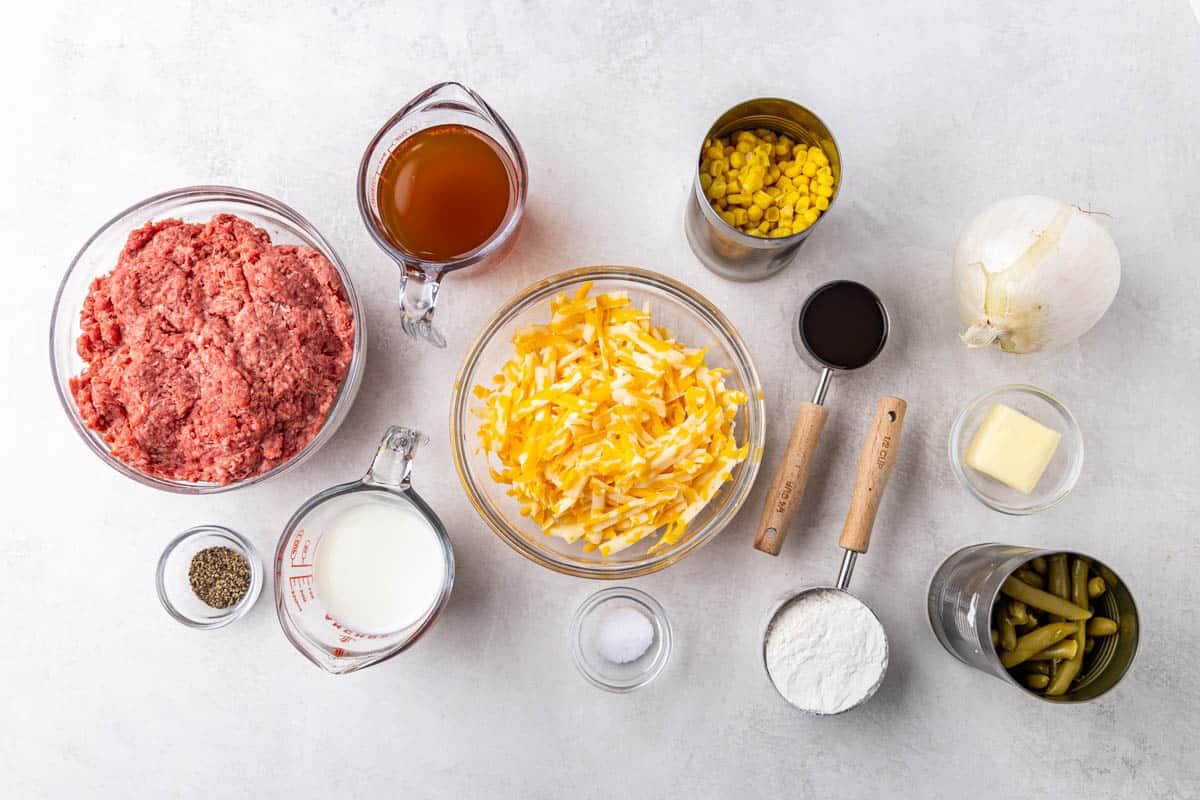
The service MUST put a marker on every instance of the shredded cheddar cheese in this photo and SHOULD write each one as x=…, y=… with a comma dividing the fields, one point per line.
x=605, y=428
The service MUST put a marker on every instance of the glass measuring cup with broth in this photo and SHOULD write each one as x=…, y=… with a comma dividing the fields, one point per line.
x=363, y=569
x=441, y=187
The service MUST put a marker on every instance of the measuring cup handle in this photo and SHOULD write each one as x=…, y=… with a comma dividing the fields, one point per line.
x=418, y=296
x=392, y=466
x=787, y=487
x=874, y=468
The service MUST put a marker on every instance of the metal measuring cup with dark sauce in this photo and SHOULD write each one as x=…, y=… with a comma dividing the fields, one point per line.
x=842, y=326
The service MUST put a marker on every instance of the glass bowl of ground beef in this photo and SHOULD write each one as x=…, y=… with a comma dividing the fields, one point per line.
x=206, y=339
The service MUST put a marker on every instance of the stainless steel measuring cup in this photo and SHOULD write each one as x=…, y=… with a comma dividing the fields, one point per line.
x=447, y=103
x=787, y=486
x=331, y=645
x=723, y=248
x=966, y=587
x=874, y=468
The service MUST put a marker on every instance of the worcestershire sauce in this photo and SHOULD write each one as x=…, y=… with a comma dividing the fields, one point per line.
x=843, y=325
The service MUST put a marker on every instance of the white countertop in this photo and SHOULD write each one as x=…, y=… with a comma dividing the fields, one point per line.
x=939, y=108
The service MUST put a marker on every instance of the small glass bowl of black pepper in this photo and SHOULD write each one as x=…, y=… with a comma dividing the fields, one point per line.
x=209, y=576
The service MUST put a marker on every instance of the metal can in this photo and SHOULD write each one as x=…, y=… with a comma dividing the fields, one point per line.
x=965, y=589
x=723, y=248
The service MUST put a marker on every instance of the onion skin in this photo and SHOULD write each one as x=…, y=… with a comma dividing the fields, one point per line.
x=1063, y=271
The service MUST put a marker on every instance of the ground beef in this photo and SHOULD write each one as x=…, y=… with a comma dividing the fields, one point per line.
x=211, y=354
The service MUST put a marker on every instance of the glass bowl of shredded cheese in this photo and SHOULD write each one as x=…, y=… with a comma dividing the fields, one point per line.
x=607, y=422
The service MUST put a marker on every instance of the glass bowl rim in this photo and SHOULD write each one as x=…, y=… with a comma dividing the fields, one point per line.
x=174, y=199
x=755, y=413
x=234, y=612
x=660, y=621
x=959, y=469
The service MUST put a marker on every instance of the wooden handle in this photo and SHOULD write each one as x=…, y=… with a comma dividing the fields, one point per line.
x=874, y=468
x=783, y=498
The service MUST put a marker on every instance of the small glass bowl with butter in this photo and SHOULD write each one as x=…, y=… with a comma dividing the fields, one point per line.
x=1017, y=449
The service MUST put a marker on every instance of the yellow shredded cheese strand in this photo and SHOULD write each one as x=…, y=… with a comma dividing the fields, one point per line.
x=605, y=428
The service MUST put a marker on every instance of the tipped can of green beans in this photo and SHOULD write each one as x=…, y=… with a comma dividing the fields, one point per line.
x=1056, y=624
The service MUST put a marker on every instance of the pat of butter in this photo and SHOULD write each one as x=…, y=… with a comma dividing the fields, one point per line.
x=1012, y=448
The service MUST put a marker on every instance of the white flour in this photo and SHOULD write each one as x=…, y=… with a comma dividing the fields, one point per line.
x=826, y=651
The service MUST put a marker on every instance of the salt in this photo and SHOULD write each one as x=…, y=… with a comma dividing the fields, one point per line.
x=623, y=635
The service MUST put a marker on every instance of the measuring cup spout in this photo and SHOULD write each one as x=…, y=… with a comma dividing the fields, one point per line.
x=450, y=95
x=453, y=96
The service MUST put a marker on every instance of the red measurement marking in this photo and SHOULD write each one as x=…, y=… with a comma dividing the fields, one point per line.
x=299, y=551
x=300, y=587
x=347, y=633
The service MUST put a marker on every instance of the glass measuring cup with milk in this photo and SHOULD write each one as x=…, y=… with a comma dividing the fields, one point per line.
x=363, y=569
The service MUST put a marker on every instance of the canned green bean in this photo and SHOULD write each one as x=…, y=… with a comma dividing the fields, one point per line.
x=963, y=597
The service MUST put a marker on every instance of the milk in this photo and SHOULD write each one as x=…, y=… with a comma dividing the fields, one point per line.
x=379, y=566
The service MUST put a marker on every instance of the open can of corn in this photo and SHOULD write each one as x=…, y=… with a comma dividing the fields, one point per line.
x=768, y=172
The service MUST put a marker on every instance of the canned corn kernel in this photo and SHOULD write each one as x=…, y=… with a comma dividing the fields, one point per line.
x=742, y=248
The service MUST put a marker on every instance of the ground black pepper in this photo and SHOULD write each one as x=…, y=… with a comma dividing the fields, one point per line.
x=220, y=576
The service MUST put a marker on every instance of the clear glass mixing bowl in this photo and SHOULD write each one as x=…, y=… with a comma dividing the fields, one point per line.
x=695, y=322
x=99, y=255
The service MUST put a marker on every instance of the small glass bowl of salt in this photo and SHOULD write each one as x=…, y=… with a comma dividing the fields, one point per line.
x=621, y=639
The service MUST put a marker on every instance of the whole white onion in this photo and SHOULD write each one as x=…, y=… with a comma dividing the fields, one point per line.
x=1033, y=273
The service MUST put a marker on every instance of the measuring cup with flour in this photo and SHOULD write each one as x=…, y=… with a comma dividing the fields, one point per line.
x=825, y=651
